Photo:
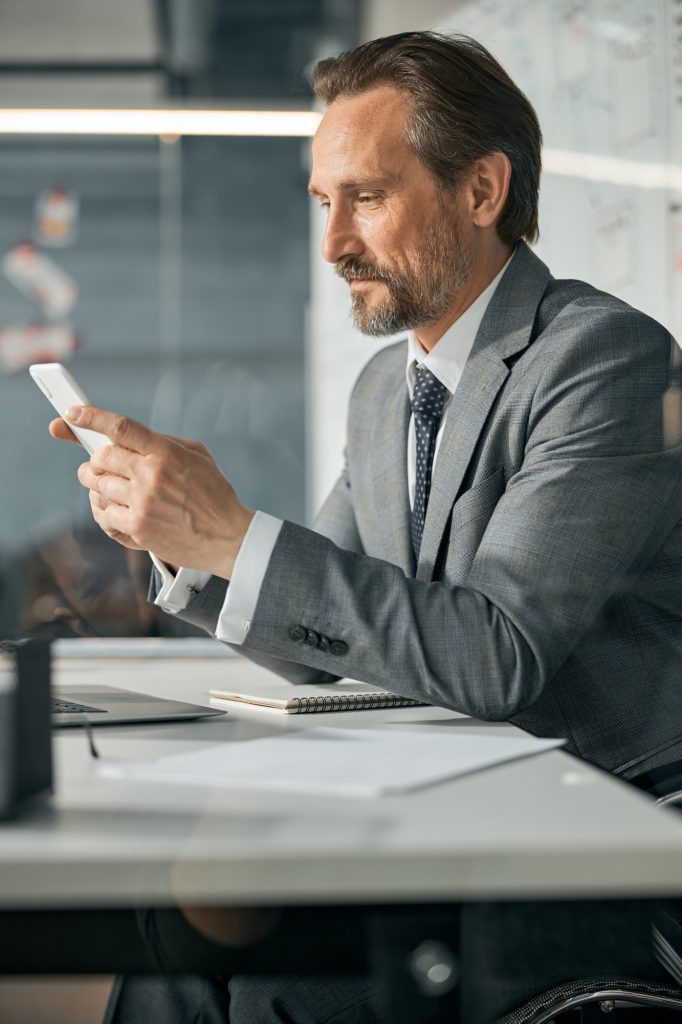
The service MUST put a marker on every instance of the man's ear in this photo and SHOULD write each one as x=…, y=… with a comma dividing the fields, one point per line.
x=488, y=188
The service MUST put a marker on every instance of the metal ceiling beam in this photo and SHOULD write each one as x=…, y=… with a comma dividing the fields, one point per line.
x=82, y=67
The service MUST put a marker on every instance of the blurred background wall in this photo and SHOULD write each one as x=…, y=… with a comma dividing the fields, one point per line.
x=191, y=260
x=204, y=306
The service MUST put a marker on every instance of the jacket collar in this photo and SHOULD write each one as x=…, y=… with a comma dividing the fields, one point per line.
x=505, y=331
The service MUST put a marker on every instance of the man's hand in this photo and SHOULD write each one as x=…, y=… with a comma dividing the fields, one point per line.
x=158, y=493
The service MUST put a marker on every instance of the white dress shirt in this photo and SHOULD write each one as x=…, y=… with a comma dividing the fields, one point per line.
x=446, y=361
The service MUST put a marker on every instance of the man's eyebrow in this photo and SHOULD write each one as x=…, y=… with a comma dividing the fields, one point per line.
x=354, y=184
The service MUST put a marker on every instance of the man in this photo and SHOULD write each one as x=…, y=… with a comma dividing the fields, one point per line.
x=505, y=537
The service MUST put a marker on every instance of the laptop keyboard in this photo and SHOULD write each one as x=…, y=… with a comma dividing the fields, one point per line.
x=69, y=707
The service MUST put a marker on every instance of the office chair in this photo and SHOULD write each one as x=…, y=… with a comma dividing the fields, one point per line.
x=603, y=1000
x=609, y=1000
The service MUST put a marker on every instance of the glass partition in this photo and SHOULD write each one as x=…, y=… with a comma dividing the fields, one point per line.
x=190, y=261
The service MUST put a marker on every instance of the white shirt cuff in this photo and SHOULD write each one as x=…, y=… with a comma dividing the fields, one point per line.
x=248, y=574
x=176, y=591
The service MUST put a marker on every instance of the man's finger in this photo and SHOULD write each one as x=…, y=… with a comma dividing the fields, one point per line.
x=61, y=430
x=97, y=502
x=113, y=521
x=114, y=459
x=88, y=478
x=108, y=486
x=120, y=429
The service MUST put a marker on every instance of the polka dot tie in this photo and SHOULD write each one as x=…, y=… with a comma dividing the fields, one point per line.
x=427, y=408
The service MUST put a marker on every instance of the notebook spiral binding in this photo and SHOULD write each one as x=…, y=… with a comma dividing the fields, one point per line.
x=351, y=702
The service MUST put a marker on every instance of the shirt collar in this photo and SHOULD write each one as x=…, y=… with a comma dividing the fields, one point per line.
x=448, y=356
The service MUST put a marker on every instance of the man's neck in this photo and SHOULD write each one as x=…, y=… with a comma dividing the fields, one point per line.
x=483, y=272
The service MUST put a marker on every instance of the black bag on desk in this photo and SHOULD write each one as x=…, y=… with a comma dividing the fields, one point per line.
x=25, y=723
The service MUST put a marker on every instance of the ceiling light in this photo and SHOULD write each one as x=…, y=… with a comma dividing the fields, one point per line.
x=611, y=170
x=285, y=123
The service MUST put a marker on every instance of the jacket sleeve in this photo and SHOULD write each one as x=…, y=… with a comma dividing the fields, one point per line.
x=335, y=520
x=593, y=498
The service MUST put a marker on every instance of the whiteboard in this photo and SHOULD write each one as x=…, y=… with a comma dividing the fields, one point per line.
x=605, y=77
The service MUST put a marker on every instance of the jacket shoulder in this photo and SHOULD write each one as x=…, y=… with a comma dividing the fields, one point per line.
x=386, y=365
x=582, y=305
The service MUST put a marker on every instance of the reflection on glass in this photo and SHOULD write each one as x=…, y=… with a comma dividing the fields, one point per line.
x=190, y=265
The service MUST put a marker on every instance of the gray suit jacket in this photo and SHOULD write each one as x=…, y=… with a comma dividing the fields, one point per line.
x=549, y=584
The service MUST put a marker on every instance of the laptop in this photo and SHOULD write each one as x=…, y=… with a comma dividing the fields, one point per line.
x=107, y=705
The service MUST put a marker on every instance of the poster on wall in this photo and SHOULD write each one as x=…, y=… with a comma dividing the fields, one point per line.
x=40, y=279
x=605, y=78
x=23, y=344
x=55, y=217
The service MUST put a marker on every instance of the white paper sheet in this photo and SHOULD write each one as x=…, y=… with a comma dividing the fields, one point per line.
x=340, y=762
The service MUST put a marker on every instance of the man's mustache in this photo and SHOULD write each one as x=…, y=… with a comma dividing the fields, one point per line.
x=360, y=270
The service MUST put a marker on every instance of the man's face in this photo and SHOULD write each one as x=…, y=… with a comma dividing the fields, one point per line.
x=397, y=238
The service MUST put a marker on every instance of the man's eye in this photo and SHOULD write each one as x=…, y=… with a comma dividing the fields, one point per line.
x=366, y=198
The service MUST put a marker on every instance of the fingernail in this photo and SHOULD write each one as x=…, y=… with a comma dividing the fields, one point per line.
x=74, y=414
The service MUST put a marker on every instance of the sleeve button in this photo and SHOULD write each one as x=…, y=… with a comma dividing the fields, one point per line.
x=323, y=643
x=312, y=637
x=338, y=647
x=297, y=634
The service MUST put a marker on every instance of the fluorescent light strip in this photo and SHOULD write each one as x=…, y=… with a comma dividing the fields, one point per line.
x=286, y=123
x=301, y=124
x=612, y=170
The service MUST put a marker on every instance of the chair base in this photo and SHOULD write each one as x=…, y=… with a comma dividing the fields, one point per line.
x=603, y=990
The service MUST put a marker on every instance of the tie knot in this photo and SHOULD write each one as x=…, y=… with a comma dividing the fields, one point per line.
x=428, y=394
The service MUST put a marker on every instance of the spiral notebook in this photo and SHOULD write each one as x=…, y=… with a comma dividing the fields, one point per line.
x=335, y=697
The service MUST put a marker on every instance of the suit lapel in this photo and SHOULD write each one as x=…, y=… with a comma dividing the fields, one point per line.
x=505, y=330
x=468, y=411
x=389, y=476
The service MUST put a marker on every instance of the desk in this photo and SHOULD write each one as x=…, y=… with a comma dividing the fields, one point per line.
x=545, y=827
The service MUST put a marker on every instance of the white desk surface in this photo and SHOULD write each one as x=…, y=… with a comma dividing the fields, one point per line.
x=547, y=826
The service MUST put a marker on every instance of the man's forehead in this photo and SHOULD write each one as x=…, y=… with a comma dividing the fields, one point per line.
x=377, y=112
x=362, y=135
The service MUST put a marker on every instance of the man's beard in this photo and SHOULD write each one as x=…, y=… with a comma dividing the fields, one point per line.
x=424, y=293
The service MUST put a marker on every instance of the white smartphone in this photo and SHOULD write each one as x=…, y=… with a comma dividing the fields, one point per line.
x=59, y=387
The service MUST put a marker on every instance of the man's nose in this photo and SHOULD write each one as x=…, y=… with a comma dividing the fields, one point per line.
x=340, y=239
